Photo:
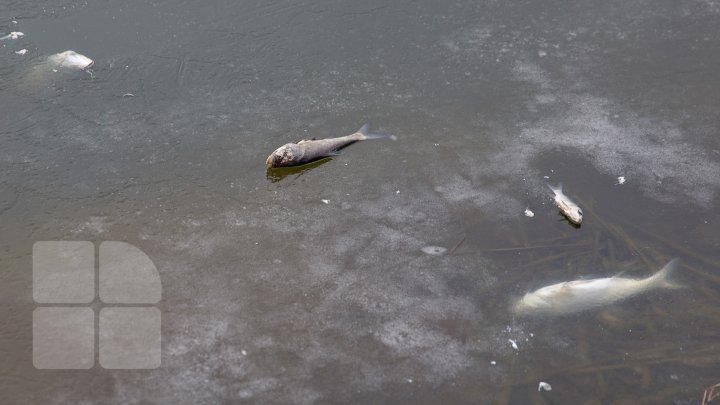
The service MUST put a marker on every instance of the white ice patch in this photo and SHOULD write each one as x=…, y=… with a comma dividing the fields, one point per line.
x=657, y=154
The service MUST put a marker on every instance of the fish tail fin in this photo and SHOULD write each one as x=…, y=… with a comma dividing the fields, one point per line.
x=555, y=189
x=661, y=279
x=366, y=134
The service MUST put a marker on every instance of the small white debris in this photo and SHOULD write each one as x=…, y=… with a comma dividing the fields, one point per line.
x=674, y=377
x=393, y=138
x=409, y=380
x=546, y=177
x=513, y=344
x=21, y=52
x=397, y=192
x=128, y=95
x=542, y=53
x=14, y=22
x=436, y=144
x=493, y=362
x=325, y=201
x=621, y=180
x=243, y=352
x=529, y=213
x=54, y=70
x=433, y=250
x=543, y=386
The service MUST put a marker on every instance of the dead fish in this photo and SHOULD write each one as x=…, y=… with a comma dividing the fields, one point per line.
x=70, y=59
x=580, y=295
x=55, y=69
x=12, y=35
x=308, y=150
x=566, y=205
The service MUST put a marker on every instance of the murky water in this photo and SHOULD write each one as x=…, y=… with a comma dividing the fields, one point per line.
x=272, y=295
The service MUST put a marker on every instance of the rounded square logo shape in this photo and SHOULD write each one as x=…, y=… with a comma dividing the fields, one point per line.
x=130, y=338
x=63, y=338
x=63, y=272
x=127, y=275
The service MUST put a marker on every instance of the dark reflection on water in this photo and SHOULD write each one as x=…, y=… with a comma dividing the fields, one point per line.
x=278, y=173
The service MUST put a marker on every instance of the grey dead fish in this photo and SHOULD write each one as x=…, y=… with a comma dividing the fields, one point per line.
x=580, y=295
x=566, y=205
x=308, y=150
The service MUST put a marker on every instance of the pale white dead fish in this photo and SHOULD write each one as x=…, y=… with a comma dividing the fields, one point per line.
x=13, y=35
x=54, y=68
x=433, y=250
x=580, y=295
x=566, y=205
x=308, y=150
x=70, y=59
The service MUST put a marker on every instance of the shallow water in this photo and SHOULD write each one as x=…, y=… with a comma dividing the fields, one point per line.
x=336, y=301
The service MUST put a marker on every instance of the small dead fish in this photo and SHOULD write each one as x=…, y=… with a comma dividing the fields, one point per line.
x=580, y=295
x=13, y=35
x=308, y=150
x=433, y=250
x=566, y=205
x=71, y=59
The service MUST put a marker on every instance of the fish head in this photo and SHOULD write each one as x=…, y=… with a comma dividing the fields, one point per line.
x=530, y=303
x=72, y=59
x=575, y=214
x=286, y=155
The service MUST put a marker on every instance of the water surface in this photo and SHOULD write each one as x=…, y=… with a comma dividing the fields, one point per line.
x=337, y=302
